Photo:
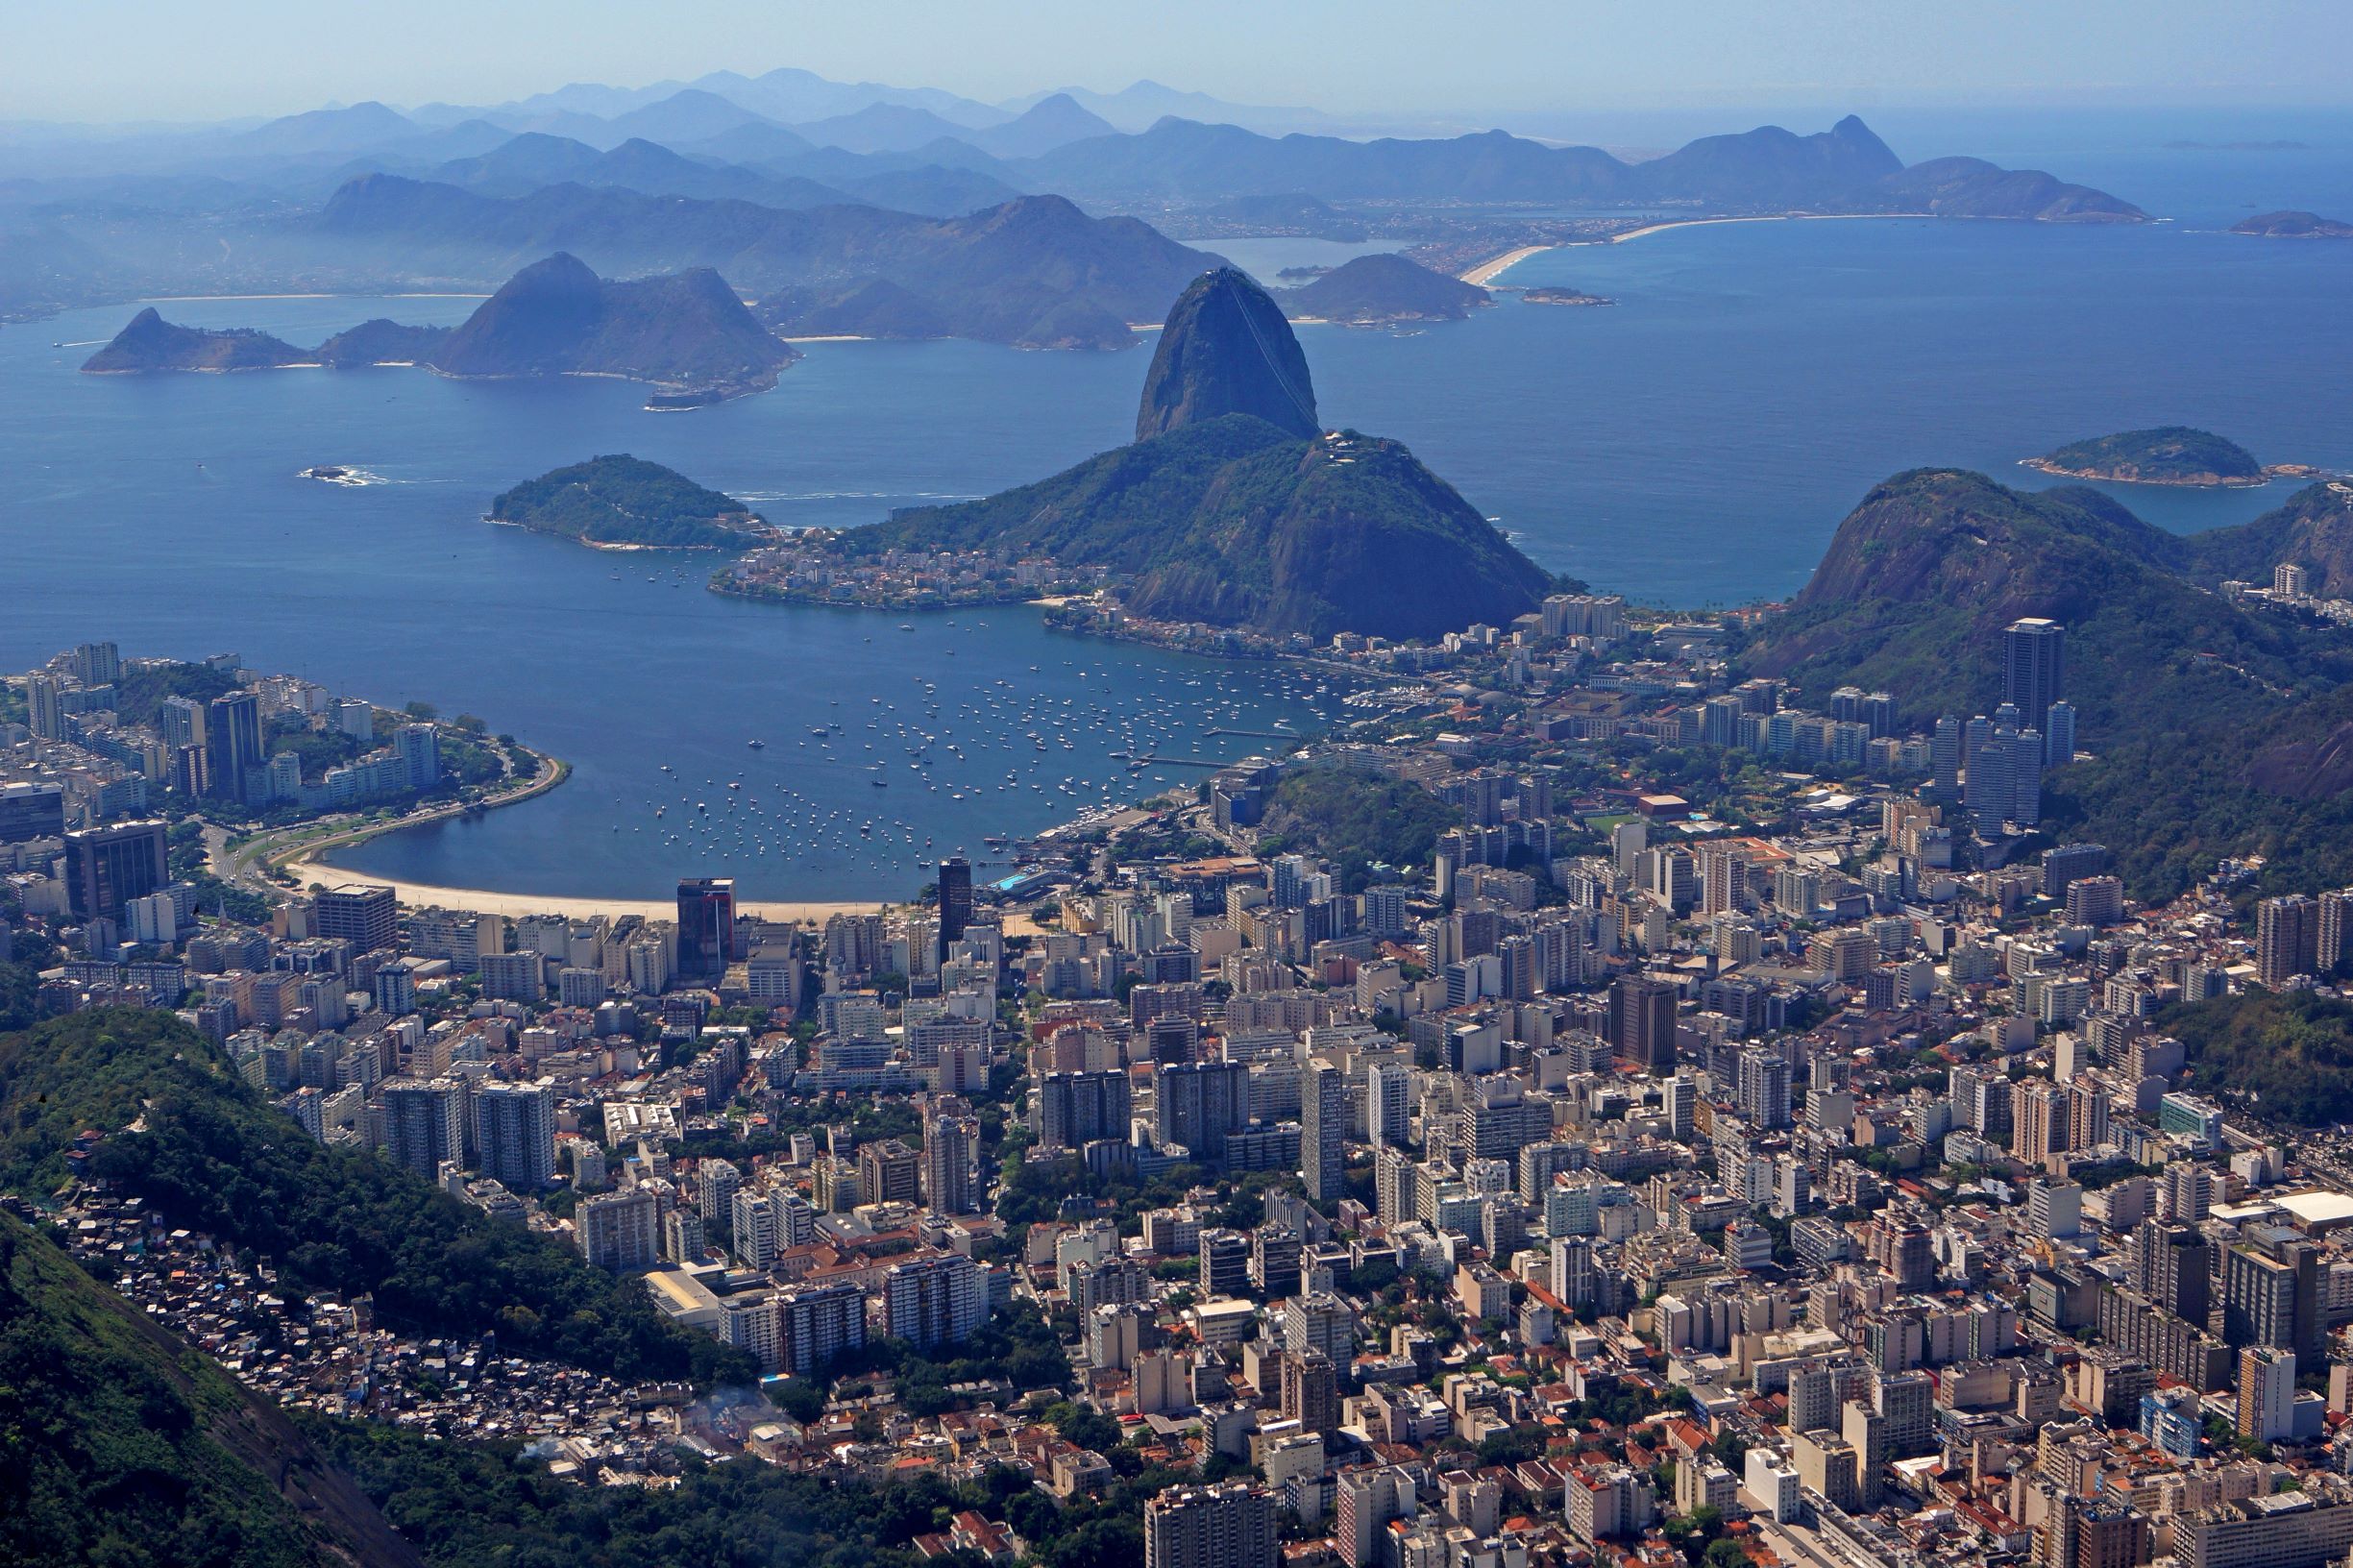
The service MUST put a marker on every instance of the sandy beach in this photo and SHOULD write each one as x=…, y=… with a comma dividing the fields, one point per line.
x=1486, y=272
x=1768, y=217
x=513, y=905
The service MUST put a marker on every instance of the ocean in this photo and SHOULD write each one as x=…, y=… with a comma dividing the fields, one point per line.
x=1694, y=444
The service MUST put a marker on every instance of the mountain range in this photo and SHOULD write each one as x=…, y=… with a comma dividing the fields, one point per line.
x=1234, y=506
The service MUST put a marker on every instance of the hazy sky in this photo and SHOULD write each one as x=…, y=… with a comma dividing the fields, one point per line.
x=114, y=60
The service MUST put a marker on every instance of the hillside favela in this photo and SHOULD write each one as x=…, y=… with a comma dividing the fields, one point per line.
x=1356, y=785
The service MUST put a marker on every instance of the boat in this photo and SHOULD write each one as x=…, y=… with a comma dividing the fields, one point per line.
x=758, y=745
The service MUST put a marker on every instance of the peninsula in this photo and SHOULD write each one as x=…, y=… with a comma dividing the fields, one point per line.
x=1380, y=289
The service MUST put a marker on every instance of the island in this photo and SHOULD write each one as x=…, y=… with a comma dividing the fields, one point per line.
x=1379, y=289
x=2292, y=225
x=626, y=502
x=1560, y=294
x=2168, y=454
x=687, y=333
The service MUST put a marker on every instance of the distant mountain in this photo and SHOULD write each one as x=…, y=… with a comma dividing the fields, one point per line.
x=1847, y=169
x=1219, y=516
x=1035, y=272
x=1142, y=105
x=1049, y=123
x=626, y=502
x=688, y=116
x=356, y=129
x=1227, y=350
x=870, y=307
x=880, y=127
x=1767, y=167
x=149, y=342
x=791, y=95
x=1969, y=187
x=532, y=161
x=931, y=190
x=556, y=317
x=754, y=142
x=2169, y=454
x=1383, y=287
x=129, y=1445
x=2292, y=225
x=1289, y=212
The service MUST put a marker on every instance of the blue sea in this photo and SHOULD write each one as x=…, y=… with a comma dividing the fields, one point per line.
x=1695, y=442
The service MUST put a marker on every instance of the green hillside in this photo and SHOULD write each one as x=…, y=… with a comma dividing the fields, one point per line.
x=119, y=1444
x=214, y=1155
x=2168, y=454
x=622, y=499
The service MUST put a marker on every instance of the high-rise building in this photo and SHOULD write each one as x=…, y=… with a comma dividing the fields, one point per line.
x=888, y=1172
x=45, y=704
x=937, y=1301
x=418, y=747
x=706, y=925
x=952, y=1153
x=1389, y=1104
x=1310, y=1390
x=233, y=742
x=2267, y=1393
x=955, y=902
x=2286, y=939
x=616, y=1229
x=514, y=1127
x=365, y=915
x=1230, y=1526
x=1199, y=1103
x=1642, y=1021
x=1076, y=1108
x=424, y=1123
x=106, y=868
x=2059, y=735
x=818, y=1323
x=2034, y=665
x=1323, y=1103
x=758, y=1233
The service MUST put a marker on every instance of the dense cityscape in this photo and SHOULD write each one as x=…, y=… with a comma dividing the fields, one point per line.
x=1563, y=1168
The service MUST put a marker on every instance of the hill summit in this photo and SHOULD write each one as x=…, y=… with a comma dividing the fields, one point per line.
x=1231, y=509
x=1227, y=350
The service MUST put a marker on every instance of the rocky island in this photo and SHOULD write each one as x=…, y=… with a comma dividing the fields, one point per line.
x=626, y=502
x=1556, y=294
x=2292, y=225
x=2168, y=454
x=1378, y=290
x=685, y=333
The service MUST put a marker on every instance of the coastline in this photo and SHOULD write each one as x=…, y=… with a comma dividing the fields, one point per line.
x=2212, y=481
x=515, y=905
x=1486, y=272
x=1762, y=218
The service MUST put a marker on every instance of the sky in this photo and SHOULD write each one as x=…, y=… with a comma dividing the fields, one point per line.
x=110, y=60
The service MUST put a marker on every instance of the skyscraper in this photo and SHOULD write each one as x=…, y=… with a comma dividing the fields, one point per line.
x=2033, y=665
x=1323, y=1105
x=364, y=913
x=106, y=867
x=2059, y=735
x=424, y=1123
x=1199, y=1103
x=233, y=742
x=514, y=1127
x=934, y=1301
x=1075, y=1109
x=707, y=924
x=952, y=1148
x=2286, y=939
x=1642, y=1021
x=955, y=902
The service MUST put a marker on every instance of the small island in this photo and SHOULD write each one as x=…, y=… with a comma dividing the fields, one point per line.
x=625, y=502
x=2292, y=225
x=2168, y=454
x=1380, y=289
x=1556, y=294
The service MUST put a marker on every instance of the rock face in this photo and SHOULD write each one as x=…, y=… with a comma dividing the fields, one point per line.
x=1227, y=350
x=556, y=317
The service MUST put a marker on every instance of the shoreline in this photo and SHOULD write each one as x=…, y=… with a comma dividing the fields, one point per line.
x=2217, y=483
x=1486, y=272
x=307, y=869
x=1761, y=217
